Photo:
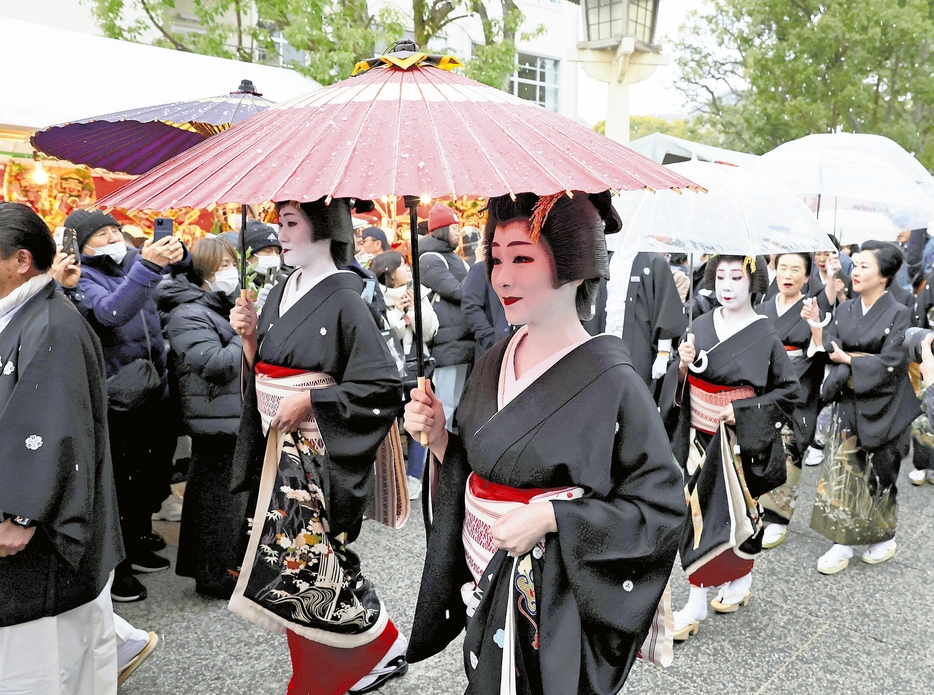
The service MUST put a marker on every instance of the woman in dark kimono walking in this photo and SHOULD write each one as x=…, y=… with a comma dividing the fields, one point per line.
x=727, y=400
x=556, y=513
x=784, y=311
x=321, y=393
x=873, y=407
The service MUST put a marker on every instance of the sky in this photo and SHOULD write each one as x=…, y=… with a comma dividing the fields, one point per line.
x=654, y=96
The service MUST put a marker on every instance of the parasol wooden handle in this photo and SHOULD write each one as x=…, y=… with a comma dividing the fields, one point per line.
x=422, y=436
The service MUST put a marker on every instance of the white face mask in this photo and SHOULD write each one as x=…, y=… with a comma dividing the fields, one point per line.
x=267, y=263
x=225, y=281
x=117, y=251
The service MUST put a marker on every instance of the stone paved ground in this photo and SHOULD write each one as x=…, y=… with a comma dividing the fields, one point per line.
x=868, y=630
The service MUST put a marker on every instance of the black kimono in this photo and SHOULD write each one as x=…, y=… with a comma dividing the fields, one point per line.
x=298, y=574
x=589, y=422
x=874, y=406
x=55, y=461
x=794, y=332
x=328, y=330
x=753, y=357
x=653, y=311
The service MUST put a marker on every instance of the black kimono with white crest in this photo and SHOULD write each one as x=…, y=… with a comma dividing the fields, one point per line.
x=588, y=421
x=55, y=461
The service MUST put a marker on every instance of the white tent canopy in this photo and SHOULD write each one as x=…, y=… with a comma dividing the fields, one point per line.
x=666, y=149
x=64, y=76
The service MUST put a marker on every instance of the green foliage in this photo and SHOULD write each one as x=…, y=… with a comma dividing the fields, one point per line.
x=694, y=129
x=334, y=34
x=768, y=71
x=495, y=61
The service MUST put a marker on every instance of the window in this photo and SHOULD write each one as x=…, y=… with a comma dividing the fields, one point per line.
x=641, y=19
x=605, y=19
x=536, y=79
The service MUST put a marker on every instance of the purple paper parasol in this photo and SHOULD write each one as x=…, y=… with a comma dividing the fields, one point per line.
x=135, y=141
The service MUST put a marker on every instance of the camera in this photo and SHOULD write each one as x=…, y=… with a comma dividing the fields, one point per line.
x=913, y=339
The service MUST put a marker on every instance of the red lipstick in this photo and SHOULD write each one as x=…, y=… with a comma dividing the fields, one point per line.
x=508, y=301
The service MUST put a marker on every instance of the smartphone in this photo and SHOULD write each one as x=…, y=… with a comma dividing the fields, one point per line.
x=162, y=227
x=70, y=243
x=369, y=290
x=409, y=285
x=57, y=236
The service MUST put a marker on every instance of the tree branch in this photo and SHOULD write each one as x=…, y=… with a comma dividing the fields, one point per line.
x=178, y=46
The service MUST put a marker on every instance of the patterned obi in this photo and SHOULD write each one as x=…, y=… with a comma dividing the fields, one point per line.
x=487, y=502
x=708, y=400
x=273, y=383
x=794, y=352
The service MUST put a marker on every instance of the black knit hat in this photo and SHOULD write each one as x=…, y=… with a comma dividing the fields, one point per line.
x=260, y=235
x=86, y=222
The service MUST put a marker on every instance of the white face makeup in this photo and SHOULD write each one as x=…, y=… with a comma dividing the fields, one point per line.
x=298, y=249
x=523, y=276
x=732, y=286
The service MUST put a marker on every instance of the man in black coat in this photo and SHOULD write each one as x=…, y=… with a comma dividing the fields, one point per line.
x=59, y=529
x=443, y=272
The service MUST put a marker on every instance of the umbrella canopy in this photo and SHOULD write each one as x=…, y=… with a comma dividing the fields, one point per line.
x=135, y=141
x=877, y=146
x=406, y=127
x=854, y=179
x=744, y=213
x=858, y=226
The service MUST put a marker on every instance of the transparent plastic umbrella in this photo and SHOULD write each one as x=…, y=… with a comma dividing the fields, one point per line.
x=849, y=180
x=742, y=212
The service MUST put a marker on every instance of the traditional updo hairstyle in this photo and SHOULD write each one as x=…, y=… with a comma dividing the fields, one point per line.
x=888, y=256
x=806, y=257
x=758, y=278
x=573, y=231
x=385, y=265
x=329, y=221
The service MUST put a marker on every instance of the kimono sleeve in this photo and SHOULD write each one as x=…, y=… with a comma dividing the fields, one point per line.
x=873, y=374
x=617, y=552
x=440, y=614
x=355, y=415
x=53, y=439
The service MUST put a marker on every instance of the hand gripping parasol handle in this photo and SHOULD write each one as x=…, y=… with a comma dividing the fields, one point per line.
x=411, y=202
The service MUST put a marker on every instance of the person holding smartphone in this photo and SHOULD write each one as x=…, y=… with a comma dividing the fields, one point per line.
x=114, y=294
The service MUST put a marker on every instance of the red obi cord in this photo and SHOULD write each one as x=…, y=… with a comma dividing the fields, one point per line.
x=486, y=490
x=275, y=371
x=318, y=669
x=724, y=568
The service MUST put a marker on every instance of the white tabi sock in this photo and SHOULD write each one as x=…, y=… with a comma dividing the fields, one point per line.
x=736, y=590
x=695, y=609
x=877, y=551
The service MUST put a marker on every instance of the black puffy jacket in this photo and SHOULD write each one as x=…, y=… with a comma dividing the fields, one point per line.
x=443, y=272
x=205, y=355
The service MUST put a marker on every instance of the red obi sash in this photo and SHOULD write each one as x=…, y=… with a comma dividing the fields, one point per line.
x=275, y=371
x=708, y=400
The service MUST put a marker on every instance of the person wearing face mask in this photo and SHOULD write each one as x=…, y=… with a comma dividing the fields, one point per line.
x=726, y=401
x=204, y=360
x=321, y=393
x=115, y=295
x=262, y=240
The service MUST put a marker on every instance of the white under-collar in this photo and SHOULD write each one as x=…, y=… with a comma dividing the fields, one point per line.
x=12, y=303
